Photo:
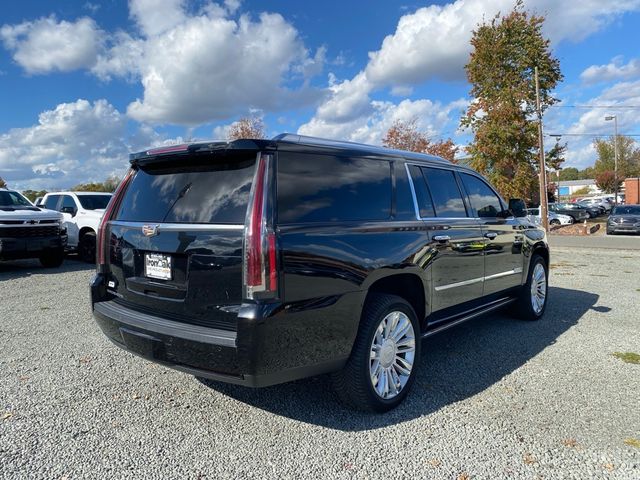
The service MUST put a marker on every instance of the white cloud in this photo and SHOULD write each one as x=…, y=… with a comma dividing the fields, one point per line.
x=210, y=68
x=156, y=16
x=46, y=45
x=75, y=142
x=434, y=41
x=432, y=117
x=615, y=70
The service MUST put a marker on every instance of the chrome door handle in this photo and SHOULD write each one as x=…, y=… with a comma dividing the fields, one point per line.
x=442, y=238
x=490, y=235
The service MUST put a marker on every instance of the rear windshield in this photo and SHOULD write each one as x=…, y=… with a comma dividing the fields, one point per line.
x=94, y=202
x=189, y=193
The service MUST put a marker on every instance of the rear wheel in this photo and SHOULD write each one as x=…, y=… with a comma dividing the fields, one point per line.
x=87, y=247
x=555, y=221
x=533, y=297
x=383, y=363
x=52, y=259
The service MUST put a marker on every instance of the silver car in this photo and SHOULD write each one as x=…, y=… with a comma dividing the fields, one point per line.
x=533, y=214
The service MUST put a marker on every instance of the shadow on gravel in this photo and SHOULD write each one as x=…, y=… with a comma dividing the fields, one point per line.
x=25, y=268
x=455, y=365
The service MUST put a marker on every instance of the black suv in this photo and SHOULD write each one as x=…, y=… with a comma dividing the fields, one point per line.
x=258, y=262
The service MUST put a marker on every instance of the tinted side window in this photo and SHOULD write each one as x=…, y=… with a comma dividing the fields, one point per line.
x=445, y=193
x=67, y=202
x=423, y=198
x=483, y=200
x=52, y=202
x=326, y=188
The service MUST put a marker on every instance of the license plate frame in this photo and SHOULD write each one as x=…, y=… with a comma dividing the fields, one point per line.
x=158, y=266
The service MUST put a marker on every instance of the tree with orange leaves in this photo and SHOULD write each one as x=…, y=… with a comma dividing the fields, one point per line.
x=404, y=135
x=247, y=127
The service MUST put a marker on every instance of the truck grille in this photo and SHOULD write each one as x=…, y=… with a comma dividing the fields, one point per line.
x=30, y=232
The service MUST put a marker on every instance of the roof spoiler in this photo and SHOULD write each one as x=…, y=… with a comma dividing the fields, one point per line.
x=160, y=154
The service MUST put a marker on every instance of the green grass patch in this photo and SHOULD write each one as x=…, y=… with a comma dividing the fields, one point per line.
x=628, y=357
x=633, y=442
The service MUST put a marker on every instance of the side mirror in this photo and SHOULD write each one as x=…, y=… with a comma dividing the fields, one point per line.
x=517, y=207
x=70, y=210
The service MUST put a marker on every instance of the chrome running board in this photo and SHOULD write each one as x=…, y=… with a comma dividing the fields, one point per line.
x=475, y=313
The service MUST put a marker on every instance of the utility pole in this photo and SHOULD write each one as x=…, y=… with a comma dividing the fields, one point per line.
x=615, y=155
x=542, y=178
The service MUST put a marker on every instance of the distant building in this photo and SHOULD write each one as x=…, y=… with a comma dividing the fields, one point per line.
x=632, y=191
x=569, y=187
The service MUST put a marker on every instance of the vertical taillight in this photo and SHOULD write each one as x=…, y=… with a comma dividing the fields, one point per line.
x=260, y=249
x=113, y=205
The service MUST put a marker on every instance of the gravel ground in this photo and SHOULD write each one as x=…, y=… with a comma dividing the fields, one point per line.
x=496, y=398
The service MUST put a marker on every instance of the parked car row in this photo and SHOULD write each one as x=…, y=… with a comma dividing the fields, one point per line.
x=60, y=222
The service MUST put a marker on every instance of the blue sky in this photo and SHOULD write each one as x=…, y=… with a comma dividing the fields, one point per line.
x=83, y=83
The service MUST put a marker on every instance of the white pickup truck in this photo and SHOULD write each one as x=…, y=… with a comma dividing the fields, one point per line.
x=82, y=212
x=30, y=232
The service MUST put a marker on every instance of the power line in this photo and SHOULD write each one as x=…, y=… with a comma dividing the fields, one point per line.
x=625, y=107
x=590, y=134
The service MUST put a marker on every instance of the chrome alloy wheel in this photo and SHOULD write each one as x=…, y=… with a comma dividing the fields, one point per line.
x=392, y=355
x=538, y=288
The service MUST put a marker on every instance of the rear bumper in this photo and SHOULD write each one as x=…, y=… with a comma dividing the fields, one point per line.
x=268, y=348
x=31, y=247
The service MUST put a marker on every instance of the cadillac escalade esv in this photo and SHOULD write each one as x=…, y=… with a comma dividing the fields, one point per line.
x=258, y=262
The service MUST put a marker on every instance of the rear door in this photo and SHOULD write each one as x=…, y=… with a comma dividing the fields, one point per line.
x=176, y=242
x=456, y=238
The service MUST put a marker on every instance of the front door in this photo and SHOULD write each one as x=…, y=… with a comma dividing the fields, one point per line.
x=503, y=261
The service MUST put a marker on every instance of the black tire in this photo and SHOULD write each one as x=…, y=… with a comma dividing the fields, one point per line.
x=526, y=309
x=555, y=221
x=52, y=259
x=87, y=247
x=353, y=383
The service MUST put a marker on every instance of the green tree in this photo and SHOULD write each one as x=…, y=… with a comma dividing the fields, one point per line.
x=570, y=173
x=109, y=185
x=502, y=115
x=33, y=194
x=628, y=156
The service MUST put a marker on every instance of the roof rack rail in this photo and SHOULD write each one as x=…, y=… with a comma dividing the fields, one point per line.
x=325, y=142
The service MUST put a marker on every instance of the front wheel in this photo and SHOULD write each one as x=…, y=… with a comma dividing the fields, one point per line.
x=532, y=301
x=52, y=259
x=554, y=222
x=87, y=248
x=384, y=360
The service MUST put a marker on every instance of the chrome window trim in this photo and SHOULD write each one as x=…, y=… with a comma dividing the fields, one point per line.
x=173, y=227
x=413, y=192
x=441, y=167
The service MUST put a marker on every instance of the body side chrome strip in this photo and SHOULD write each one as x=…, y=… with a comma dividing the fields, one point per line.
x=459, y=284
x=480, y=279
x=504, y=274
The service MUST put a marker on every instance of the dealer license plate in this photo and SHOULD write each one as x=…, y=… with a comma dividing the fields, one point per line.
x=157, y=265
